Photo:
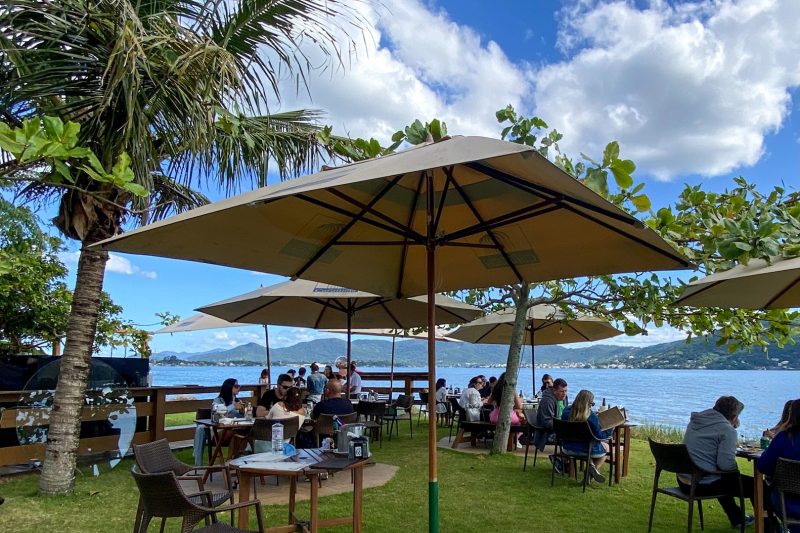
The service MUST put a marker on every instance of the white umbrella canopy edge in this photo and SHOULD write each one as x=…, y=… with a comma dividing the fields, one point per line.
x=760, y=284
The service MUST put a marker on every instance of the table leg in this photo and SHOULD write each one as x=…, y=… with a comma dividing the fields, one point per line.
x=758, y=498
x=617, y=465
x=627, y=451
x=314, y=512
x=244, y=495
x=358, y=482
x=217, y=452
x=292, y=495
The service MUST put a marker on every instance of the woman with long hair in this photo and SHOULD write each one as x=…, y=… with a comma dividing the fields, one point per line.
x=262, y=379
x=329, y=372
x=581, y=411
x=517, y=417
x=227, y=397
x=291, y=405
x=441, y=398
x=786, y=445
x=787, y=408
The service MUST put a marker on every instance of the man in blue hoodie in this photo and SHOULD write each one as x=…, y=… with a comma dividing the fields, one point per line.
x=711, y=440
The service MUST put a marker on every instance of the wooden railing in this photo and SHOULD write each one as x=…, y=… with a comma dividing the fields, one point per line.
x=153, y=404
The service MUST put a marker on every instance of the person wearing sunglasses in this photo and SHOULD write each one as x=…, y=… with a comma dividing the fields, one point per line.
x=227, y=397
x=273, y=396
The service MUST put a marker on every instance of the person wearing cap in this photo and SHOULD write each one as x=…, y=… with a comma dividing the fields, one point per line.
x=315, y=383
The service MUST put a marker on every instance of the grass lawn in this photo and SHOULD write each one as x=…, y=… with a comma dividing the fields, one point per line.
x=477, y=492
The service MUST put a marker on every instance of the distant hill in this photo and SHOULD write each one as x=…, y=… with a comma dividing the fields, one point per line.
x=698, y=354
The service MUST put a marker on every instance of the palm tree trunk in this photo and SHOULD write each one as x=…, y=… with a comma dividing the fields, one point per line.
x=58, y=472
x=501, y=432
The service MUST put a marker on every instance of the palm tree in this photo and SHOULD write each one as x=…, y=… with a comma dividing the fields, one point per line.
x=180, y=87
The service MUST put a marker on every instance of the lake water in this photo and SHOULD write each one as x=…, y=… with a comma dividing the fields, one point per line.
x=664, y=397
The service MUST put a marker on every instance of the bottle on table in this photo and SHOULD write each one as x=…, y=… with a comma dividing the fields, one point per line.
x=277, y=437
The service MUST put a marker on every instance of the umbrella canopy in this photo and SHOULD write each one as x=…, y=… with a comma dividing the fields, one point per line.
x=757, y=285
x=464, y=212
x=547, y=324
x=203, y=321
x=310, y=304
x=198, y=322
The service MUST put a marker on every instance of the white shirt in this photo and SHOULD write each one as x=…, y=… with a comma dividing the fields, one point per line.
x=355, y=381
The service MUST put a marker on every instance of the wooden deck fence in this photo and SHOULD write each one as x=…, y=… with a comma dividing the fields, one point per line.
x=153, y=404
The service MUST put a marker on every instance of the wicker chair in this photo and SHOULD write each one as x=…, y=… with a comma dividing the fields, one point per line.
x=324, y=425
x=156, y=457
x=161, y=496
x=675, y=458
x=786, y=481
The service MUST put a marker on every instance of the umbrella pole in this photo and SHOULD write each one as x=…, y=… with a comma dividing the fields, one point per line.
x=349, y=335
x=391, y=371
x=433, y=482
x=269, y=364
x=533, y=363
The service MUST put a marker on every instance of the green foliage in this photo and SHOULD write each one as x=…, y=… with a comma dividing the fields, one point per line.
x=52, y=143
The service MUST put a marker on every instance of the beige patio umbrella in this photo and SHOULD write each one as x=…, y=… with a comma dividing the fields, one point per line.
x=546, y=325
x=202, y=321
x=465, y=212
x=757, y=285
x=310, y=304
x=441, y=335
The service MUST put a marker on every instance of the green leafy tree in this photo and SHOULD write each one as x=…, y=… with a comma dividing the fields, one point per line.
x=168, y=95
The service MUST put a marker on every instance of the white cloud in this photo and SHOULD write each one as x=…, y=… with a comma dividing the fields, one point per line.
x=116, y=264
x=654, y=336
x=692, y=88
x=399, y=73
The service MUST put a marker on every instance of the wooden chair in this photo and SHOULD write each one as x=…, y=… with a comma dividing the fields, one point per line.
x=580, y=433
x=161, y=496
x=786, y=481
x=399, y=410
x=324, y=425
x=675, y=458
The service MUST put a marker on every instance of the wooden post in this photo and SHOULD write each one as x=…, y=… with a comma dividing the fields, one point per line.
x=157, y=419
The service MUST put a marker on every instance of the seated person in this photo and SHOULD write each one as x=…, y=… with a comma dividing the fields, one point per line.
x=711, y=440
x=488, y=385
x=554, y=401
x=581, y=411
x=291, y=405
x=517, y=417
x=786, y=444
x=547, y=383
x=771, y=432
x=332, y=403
x=227, y=397
x=273, y=396
x=471, y=400
x=441, y=398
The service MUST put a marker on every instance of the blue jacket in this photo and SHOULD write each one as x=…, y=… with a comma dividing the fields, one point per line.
x=594, y=424
x=782, y=446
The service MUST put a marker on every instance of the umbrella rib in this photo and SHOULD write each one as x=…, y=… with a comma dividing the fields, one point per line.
x=259, y=308
x=781, y=293
x=368, y=209
x=353, y=219
x=404, y=251
x=570, y=326
x=533, y=187
x=397, y=322
x=449, y=173
x=520, y=214
x=349, y=214
x=491, y=330
x=488, y=231
x=665, y=253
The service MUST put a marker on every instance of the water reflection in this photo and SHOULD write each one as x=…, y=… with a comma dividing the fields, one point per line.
x=108, y=419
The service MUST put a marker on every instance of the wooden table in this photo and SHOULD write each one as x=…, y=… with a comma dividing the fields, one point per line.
x=309, y=456
x=221, y=432
x=758, y=487
x=476, y=428
x=622, y=438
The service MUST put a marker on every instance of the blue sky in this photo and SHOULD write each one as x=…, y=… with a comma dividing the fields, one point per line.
x=695, y=92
